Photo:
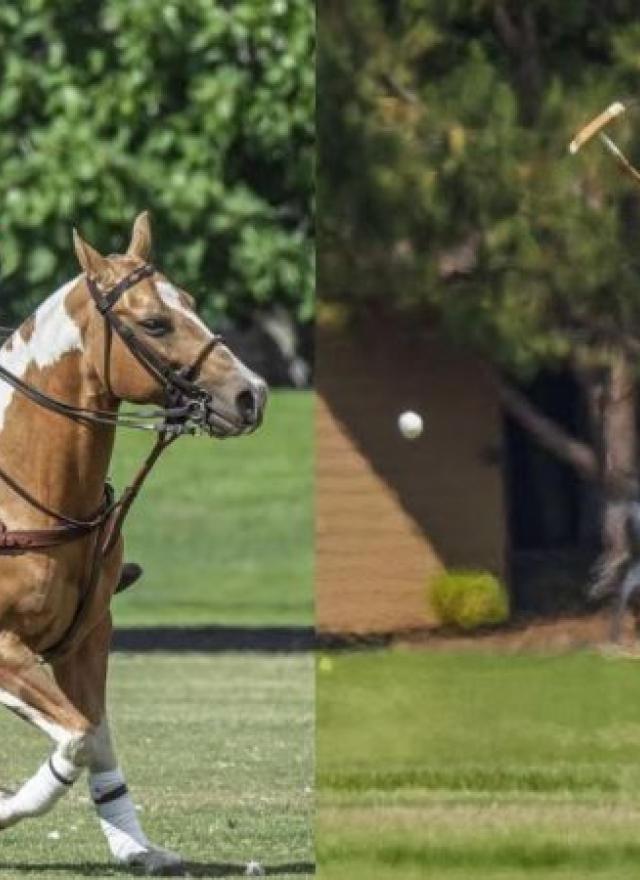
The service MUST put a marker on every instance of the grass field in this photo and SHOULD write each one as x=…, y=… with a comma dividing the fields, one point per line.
x=218, y=753
x=491, y=767
x=224, y=529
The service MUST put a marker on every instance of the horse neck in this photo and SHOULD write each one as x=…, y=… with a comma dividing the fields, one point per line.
x=61, y=463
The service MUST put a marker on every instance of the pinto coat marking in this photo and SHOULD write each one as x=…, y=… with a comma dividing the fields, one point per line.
x=53, y=334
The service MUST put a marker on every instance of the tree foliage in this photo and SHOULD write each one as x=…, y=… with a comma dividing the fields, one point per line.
x=445, y=181
x=200, y=110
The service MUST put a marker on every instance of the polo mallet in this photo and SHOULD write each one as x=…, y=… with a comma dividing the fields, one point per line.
x=596, y=127
x=631, y=577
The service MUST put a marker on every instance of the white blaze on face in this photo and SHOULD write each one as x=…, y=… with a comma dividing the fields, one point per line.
x=171, y=298
x=54, y=334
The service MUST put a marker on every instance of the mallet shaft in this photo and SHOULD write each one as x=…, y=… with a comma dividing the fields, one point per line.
x=620, y=157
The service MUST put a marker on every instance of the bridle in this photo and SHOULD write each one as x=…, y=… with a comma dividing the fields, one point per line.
x=188, y=408
x=188, y=404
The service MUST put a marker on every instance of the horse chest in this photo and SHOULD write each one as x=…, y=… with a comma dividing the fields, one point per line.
x=39, y=592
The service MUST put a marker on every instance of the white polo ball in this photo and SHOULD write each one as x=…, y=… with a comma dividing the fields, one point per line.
x=410, y=424
x=254, y=869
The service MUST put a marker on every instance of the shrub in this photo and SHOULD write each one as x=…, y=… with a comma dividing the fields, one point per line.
x=200, y=110
x=469, y=599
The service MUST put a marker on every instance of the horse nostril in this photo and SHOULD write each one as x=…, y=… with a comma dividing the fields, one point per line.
x=247, y=406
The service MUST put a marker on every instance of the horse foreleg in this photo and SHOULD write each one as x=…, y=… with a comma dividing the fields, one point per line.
x=83, y=679
x=28, y=690
x=117, y=814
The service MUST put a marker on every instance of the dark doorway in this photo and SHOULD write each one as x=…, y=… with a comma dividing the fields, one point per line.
x=550, y=547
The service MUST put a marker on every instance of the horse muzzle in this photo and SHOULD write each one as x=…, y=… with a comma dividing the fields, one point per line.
x=215, y=417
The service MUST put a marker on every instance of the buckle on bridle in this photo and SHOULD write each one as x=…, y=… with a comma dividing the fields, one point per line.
x=199, y=412
x=194, y=416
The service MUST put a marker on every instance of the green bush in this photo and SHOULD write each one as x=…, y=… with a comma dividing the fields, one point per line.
x=200, y=110
x=469, y=599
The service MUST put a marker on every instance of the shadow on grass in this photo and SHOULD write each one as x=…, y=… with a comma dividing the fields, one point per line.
x=223, y=869
x=212, y=639
x=191, y=869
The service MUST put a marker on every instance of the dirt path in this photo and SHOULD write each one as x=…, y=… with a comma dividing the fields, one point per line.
x=560, y=634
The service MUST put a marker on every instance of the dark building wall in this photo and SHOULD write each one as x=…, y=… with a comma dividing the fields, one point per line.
x=392, y=512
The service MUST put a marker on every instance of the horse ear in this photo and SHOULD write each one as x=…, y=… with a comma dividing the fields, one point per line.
x=140, y=245
x=90, y=260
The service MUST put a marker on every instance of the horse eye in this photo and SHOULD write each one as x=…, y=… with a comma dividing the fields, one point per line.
x=158, y=326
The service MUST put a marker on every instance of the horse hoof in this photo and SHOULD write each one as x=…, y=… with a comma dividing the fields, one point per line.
x=158, y=862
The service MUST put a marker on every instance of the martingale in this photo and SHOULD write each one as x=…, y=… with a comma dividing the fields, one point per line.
x=187, y=411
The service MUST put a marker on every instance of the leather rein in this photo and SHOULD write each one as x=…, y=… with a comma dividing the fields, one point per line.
x=189, y=408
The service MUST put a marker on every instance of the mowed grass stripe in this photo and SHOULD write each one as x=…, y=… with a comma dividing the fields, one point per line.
x=477, y=778
x=450, y=766
x=224, y=529
x=402, y=852
x=355, y=869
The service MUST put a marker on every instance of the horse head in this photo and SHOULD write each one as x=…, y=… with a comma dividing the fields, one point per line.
x=146, y=343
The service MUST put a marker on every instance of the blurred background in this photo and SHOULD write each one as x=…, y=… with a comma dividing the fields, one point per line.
x=472, y=271
x=492, y=281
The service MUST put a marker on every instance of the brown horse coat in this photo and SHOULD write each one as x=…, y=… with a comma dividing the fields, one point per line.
x=61, y=350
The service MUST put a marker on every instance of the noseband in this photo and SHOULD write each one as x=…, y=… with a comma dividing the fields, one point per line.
x=188, y=408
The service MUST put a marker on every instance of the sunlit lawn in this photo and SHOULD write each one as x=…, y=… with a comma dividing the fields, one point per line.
x=219, y=758
x=224, y=528
x=491, y=767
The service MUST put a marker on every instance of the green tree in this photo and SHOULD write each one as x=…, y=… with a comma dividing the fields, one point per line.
x=446, y=189
x=200, y=110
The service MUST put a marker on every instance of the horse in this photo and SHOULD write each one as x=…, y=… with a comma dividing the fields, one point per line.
x=118, y=332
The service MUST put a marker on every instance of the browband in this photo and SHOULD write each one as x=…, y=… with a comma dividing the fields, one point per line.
x=107, y=300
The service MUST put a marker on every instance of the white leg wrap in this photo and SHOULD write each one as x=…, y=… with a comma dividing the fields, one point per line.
x=117, y=815
x=54, y=779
